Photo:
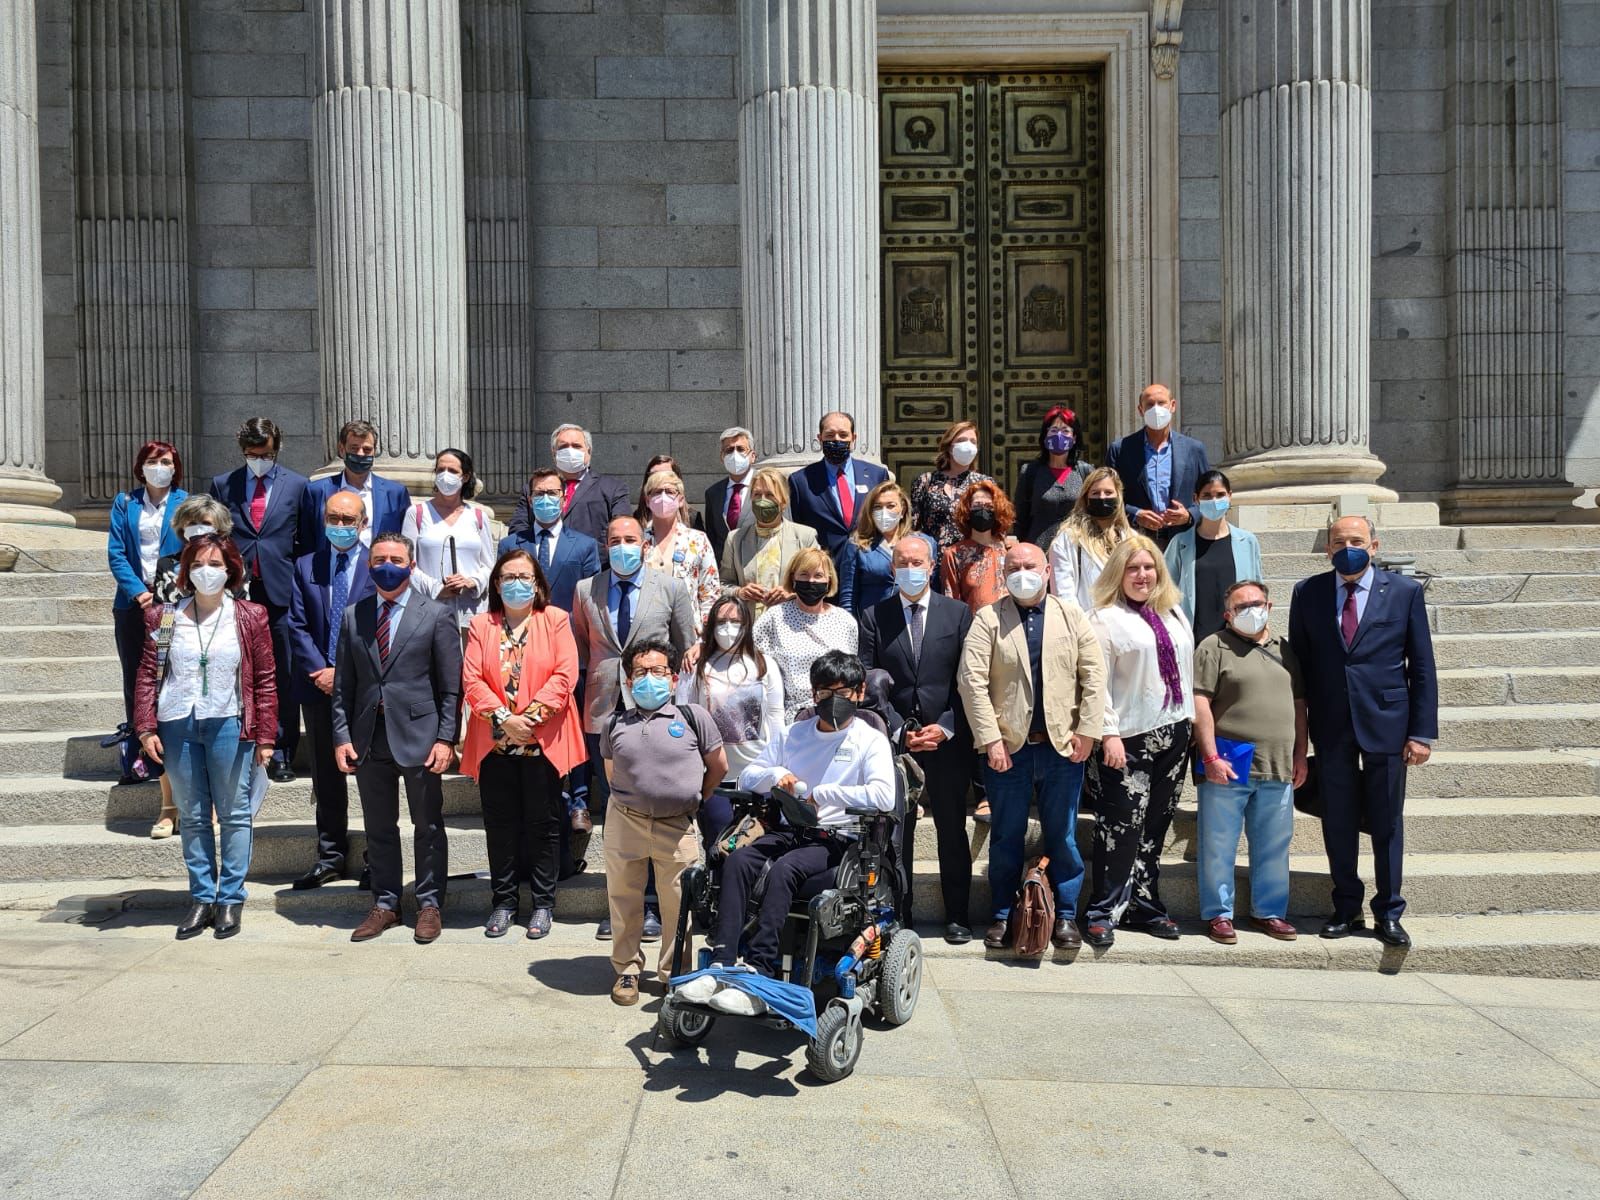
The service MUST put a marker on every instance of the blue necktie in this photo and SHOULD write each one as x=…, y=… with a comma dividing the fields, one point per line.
x=624, y=611
x=341, y=594
x=544, y=551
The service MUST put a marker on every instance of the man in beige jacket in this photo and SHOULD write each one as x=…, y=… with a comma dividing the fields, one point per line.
x=1033, y=684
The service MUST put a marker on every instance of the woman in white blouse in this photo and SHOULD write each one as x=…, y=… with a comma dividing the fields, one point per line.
x=1096, y=526
x=454, y=540
x=797, y=632
x=1149, y=652
x=671, y=546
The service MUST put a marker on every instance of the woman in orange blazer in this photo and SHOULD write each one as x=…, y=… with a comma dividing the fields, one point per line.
x=520, y=669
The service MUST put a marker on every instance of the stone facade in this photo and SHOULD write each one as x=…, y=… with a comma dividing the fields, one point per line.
x=615, y=209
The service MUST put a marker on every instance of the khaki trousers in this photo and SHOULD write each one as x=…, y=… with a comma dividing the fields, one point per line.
x=633, y=841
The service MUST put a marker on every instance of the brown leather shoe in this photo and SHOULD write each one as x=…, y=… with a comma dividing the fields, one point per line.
x=429, y=925
x=1275, y=927
x=1221, y=930
x=625, y=990
x=581, y=821
x=1066, y=935
x=995, y=936
x=376, y=922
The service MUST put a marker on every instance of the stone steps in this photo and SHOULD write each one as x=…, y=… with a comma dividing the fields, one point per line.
x=1468, y=651
x=1458, y=564
x=17, y=612
x=41, y=712
x=1562, y=539
x=1519, y=685
x=1519, y=726
x=61, y=641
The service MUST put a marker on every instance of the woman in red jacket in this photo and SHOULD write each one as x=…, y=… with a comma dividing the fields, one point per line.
x=206, y=690
x=518, y=676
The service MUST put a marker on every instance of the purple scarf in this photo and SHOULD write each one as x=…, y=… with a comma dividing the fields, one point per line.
x=1166, y=656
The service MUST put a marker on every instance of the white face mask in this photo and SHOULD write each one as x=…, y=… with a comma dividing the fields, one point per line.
x=1157, y=418
x=886, y=519
x=208, y=580
x=190, y=532
x=570, y=460
x=737, y=463
x=259, y=466
x=448, y=482
x=157, y=474
x=1251, y=620
x=962, y=453
x=1025, y=585
x=727, y=634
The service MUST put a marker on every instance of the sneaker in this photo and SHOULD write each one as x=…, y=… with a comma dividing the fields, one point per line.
x=738, y=1004
x=699, y=991
x=625, y=991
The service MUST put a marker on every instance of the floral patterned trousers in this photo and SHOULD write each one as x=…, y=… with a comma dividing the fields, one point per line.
x=1135, y=808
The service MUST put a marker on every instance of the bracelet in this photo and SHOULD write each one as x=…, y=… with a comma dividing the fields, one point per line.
x=1206, y=762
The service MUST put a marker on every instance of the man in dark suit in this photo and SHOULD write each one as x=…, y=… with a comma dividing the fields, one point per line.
x=385, y=500
x=566, y=556
x=588, y=500
x=828, y=495
x=728, y=500
x=396, y=700
x=263, y=498
x=326, y=582
x=1371, y=709
x=917, y=637
x=1158, y=468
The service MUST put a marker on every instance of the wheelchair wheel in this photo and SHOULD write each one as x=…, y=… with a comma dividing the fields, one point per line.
x=832, y=1054
x=684, y=1027
x=900, y=978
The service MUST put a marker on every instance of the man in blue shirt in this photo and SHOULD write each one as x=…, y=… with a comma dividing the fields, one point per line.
x=1158, y=468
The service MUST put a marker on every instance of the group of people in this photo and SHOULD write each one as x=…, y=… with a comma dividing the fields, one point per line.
x=620, y=655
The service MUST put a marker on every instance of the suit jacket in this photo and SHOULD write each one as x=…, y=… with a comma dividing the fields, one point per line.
x=996, y=679
x=419, y=686
x=122, y=543
x=661, y=608
x=814, y=502
x=924, y=688
x=390, y=500
x=745, y=542
x=1189, y=462
x=576, y=558
x=310, y=613
x=272, y=548
x=716, y=501
x=1383, y=689
x=595, y=501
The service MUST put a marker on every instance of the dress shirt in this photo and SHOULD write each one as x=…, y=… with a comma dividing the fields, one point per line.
x=365, y=492
x=553, y=530
x=1341, y=590
x=150, y=514
x=1158, y=472
x=349, y=579
x=398, y=611
x=1033, y=627
x=848, y=470
x=743, y=484
x=926, y=602
x=614, y=597
x=250, y=481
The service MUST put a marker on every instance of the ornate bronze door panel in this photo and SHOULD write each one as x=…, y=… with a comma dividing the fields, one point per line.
x=993, y=267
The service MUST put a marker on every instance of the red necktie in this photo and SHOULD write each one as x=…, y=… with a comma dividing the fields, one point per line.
x=1347, y=618
x=570, y=486
x=383, y=629
x=847, y=500
x=258, y=503
x=735, y=505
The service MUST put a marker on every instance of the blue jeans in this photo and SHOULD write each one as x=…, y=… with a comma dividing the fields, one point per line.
x=1059, y=783
x=210, y=769
x=1265, y=810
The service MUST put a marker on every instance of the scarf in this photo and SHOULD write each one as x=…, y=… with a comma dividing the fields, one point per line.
x=1166, y=656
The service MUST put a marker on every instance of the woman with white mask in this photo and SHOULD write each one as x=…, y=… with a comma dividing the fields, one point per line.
x=866, y=560
x=934, y=493
x=454, y=539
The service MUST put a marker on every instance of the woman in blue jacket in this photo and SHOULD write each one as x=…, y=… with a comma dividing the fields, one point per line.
x=864, y=560
x=1206, y=559
x=141, y=534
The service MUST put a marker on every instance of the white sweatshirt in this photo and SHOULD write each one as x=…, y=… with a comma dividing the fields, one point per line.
x=851, y=767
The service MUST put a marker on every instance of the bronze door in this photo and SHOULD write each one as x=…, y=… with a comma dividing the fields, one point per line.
x=992, y=260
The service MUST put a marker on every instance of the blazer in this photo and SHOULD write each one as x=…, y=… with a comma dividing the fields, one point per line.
x=272, y=548
x=1180, y=561
x=813, y=501
x=923, y=688
x=1189, y=462
x=662, y=608
x=744, y=543
x=419, y=686
x=576, y=557
x=716, y=501
x=595, y=500
x=1042, y=504
x=122, y=543
x=390, y=500
x=550, y=661
x=311, y=618
x=866, y=577
x=996, y=680
x=1383, y=690
x=258, y=675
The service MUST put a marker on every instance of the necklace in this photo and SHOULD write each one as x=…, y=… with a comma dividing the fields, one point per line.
x=205, y=651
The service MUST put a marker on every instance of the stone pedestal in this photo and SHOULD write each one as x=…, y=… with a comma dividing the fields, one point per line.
x=1297, y=250
x=26, y=492
x=808, y=184
x=391, y=265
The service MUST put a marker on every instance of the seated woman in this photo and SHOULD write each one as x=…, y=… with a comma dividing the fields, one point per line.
x=844, y=764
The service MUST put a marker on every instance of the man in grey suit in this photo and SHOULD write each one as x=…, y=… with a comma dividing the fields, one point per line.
x=396, y=704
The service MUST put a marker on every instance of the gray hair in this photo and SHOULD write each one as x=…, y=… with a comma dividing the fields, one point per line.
x=201, y=509
x=588, y=442
x=1227, y=596
x=933, y=546
x=734, y=431
x=1372, y=529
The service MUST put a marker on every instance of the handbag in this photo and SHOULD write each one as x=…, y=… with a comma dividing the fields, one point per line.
x=744, y=830
x=1034, y=912
x=1308, y=797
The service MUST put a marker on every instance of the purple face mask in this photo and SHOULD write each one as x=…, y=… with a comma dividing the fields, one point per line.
x=1058, y=441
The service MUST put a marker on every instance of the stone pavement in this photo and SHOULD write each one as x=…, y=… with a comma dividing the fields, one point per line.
x=291, y=1063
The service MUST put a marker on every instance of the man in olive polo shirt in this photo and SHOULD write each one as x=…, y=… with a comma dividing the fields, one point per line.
x=662, y=760
x=1246, y=688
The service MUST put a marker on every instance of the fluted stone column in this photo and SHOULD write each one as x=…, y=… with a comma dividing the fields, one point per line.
x=1297, y=249
x=808, y=184
x=26, y=493
x=386, y=137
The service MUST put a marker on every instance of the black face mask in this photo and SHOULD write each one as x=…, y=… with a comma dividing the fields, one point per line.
x=811, y=591
x=981, y=519
x=1101, y=506
x=836, y=709
x=358, y=464
x=836, y=452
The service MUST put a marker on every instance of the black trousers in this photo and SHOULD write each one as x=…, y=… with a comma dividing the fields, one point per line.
x=287, y=736
x=949, y=772
x=1354, y=784
x=802, y=865
x=378, y=780
x=522, y=816
x=128, y=627
x=1130, y=828
x=330, y=787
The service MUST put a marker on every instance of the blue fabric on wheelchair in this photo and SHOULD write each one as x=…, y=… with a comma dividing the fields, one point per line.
x=794, y=1003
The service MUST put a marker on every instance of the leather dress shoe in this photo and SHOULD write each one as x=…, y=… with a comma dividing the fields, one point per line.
x=625, y=990
x=994, y=937
x=280, y=771
x=602, y=931
x=581, y=821
x=375, y=923
x=365, y=882
x=195, y=921
x=1164, y=928
x=1341, y=927
x=1220, y=929
x=1065, y=936
x=1392, y=933
x=1275, y=927
x=652, y=926
x=957, y=934
x=318, y=875
x=429, y=925
x=1099, y=935
x=226, y=923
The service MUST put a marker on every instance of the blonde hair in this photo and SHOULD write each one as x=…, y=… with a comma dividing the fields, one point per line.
x=774, y=479
x=808, y=559
x=866, y=530
x=1164, y=597
x=1085, y=530
x=658, y=480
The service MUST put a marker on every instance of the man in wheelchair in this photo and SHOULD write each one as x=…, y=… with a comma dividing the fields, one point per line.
x=836, y=762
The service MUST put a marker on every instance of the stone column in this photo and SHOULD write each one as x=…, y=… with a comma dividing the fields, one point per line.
x=808, y=185
x=26, y=493
x=386, y=140
x=1297, y=249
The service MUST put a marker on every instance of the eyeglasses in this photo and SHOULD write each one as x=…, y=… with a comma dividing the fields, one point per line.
x=658, y=672
x=548, y=492
x=335, y=519
x=509, y=578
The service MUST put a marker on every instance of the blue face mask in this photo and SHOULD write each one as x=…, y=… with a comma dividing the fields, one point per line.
x=1212, y=510
x=342, y=537
x=625, y=559
x=650, y=693
x=517, y=593
x=1351, y=560
x=358, y=464
x=546, y=508
x=390, y=577
x=912, y=581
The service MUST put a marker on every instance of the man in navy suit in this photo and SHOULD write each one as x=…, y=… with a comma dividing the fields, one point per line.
x=1158, y=468
x=263, y=497
x=384, y=500
x=828, y=495
x=1371, y=709
x=588, y=500
x=326, y=581
x=728, y=500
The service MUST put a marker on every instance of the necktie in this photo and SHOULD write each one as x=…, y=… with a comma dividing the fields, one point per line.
x=916, y=632
x=568, y=488
x=384, y=610
x=1347, y=618
x=341, y=596
x=258, y=504
x=735, y=505
x=847, y=500
x=544, y=551
x=624, y=611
